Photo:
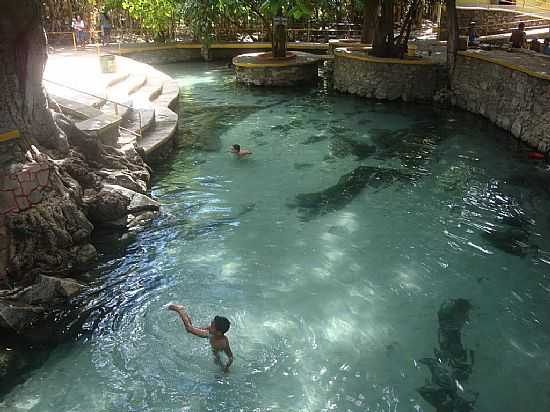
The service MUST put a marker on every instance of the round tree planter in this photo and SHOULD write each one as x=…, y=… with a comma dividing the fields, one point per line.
x=260, y=70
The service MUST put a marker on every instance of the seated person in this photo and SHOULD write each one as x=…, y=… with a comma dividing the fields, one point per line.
x=519, y=37
x=473, y=37
x=546, y=46
x=535, y=45
x=236, y=149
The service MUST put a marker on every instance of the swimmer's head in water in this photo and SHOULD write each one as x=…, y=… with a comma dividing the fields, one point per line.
x=221, y=324
x=237, y=147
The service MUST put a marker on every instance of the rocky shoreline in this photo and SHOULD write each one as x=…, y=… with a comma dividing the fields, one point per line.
x=51, y=200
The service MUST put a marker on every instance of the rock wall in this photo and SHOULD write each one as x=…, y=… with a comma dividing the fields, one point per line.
x=491, y=21
x=176, y=54
x=511, y=99
x=277, y=76
x=387, y=79
x=164, y=56
x=49, y=208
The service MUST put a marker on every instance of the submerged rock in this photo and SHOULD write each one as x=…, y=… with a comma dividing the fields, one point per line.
x=49, y=289
x=343, y=146
x=412, y=147
x=345, y=190
x=16, y=315
x=513, y=240
x=315, y=139
x=114, y=203
x=452, y=364
x=300, y=166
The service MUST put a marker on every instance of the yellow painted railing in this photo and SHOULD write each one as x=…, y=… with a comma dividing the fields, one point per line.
x=12, y=134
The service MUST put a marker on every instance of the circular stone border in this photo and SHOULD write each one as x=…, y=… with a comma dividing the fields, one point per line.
x=361, y=54
x=268, y=57
x=409, y=79
x=252, y=69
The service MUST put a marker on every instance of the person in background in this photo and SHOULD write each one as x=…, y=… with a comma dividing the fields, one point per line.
x=105, y=26
x=546, y=46
x=519, y=37
x=473, y=37
x=535, y=46
x=236, y=150
x=78, y=27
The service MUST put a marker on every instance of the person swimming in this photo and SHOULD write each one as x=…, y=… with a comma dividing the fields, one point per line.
x=236, y=149
x=215, y=334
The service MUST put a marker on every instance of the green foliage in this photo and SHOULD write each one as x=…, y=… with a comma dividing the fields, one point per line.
x=201, y=17
x=297, y=9
x=156, y=16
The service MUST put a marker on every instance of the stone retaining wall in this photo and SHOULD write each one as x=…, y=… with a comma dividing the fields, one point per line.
x=491, y=21
x=22, y=188
x=221, y=51
x=511, y=99
x=387, y=79
x=164, y=56
x=277, y=76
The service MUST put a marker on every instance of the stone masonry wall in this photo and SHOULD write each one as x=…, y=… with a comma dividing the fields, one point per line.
x=163, y=56
x=491, y=21
x=20, y=189
x=287, y=76
x=387, y=81
x=512, y=100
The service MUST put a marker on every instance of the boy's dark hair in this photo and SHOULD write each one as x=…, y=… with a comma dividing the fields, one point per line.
x=237, y=147
x=221, y=323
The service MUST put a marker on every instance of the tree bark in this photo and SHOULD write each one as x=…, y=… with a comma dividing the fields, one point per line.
x=383, y=45
x=278, y=43
x=23, y=104
x=452, y=41
x=370, y=15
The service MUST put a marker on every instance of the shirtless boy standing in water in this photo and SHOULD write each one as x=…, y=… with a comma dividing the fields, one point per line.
x=215, y=334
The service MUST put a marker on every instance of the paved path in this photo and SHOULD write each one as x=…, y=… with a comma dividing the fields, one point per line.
x=526, y=60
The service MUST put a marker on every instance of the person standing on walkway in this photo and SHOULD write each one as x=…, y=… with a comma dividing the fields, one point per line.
x=105, y=26
x=519, y=37
x=78, y=26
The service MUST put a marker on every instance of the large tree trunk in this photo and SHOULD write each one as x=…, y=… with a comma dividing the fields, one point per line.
x=23, y=104
x=452, y=41
x=278, y=43
x=370, y=15
x=383, y=38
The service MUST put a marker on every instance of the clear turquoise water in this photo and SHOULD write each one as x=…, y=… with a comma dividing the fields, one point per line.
x=330, y=312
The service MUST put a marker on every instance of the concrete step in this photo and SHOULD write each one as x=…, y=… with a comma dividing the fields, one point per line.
x=138, y=125
x=170, y=92
x=148, y=92
x=136, y=83
x=166, y=124
x=117, y=109
x=104, y=127
x=75, y=108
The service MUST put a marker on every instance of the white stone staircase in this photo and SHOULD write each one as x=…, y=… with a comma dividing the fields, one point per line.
x=133, y=109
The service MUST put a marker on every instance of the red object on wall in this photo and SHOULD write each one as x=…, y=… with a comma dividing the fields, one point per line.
x=535, y=155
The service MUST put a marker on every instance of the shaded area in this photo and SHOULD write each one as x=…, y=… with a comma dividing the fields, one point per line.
x=315, y=204
x=452, y=363
x=203, y=125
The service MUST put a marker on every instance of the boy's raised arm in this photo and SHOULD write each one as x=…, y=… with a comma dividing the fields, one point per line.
x=200, y=332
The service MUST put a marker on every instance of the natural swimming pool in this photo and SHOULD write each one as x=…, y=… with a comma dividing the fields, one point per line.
x=331, y=249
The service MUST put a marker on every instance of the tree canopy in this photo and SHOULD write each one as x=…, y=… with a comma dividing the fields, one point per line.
x=208, y=20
